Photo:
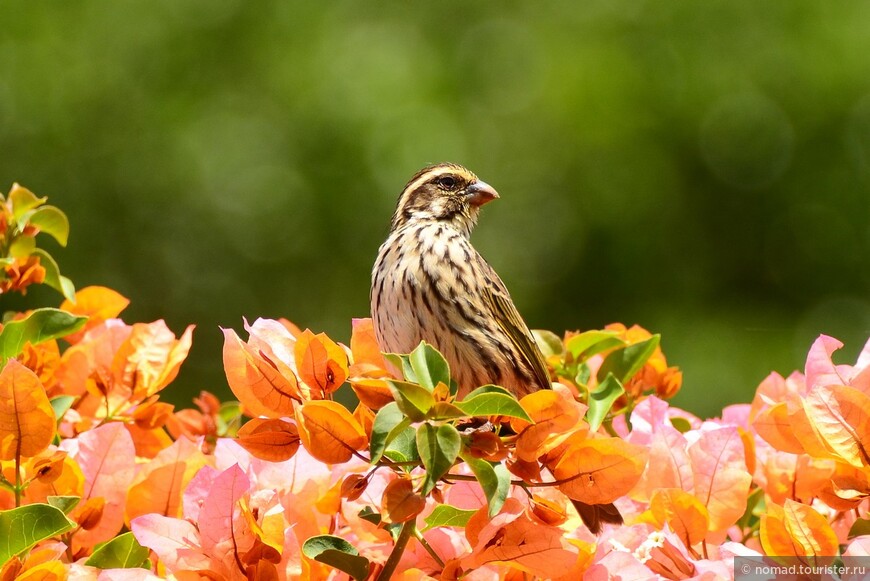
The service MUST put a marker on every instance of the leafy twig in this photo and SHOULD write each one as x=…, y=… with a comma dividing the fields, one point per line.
x=405, y=535
x=428, y=547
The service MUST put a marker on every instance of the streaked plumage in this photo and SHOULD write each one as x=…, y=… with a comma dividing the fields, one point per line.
x=429, y=283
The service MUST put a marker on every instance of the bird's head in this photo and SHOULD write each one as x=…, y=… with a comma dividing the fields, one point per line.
x=446, y=193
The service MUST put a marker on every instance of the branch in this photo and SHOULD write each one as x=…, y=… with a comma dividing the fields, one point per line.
x=401, y=542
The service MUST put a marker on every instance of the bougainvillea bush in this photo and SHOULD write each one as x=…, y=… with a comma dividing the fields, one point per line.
x=102, y=480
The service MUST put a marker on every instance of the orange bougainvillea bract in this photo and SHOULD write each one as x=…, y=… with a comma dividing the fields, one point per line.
x=338, y=461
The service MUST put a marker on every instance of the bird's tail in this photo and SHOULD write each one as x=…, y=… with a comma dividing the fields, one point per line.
x=595, y=515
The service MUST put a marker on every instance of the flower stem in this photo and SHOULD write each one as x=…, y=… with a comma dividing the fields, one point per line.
x=405, y=535
x=428, y=548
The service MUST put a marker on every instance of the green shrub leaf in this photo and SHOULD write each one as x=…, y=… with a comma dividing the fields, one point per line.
x=624, y=363
x=445, y=515
x=338, y=553
x=60, y=404
x=438, y=447
x=229, y=419
x=23, y=527
x=40, y=325
x=493, y=478
x=53, y=278
x=22, y=246
x=368, y=513
x=445, y=411
x=601, y=400
x=493, y=404
x=23, y=200
x=122, y=552
x=430, y=367
x=548, y=342
x=589, y=343
x=414, y=400
x=388, y=423
x=487, y=389
x=64, y=503
x=403, y=448
x=860, y=527
x=52, y=221
x=402, y=362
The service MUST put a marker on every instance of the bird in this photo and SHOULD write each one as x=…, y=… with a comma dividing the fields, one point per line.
x=430, y=284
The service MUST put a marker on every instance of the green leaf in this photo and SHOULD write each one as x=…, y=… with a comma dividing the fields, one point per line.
x=584, y=374
x=368, y=513
x=338, y=553
x=52, y=221
x=122, y=552
x=445, y=411
x=494, y=479
x=859, y=528
x=40, y=325
x=548, y=342
x=755, y=507
x=388, y=423
x=402, y=362
x=229, y=419
x=430, y=367
x=438, y=447
x=23, y=200
x=403, y=448
x=67, y=288
x=22, y=246
x=601, y=400
x=64, y=503
x=61, y=404
x=414, y=400
x=487, y=389
x=375, y=518
x=503, y=478
x=591, y=342
x=23, y=527
x=444, y=515
x=53, y=277
x=624, y=363
x=493, y=404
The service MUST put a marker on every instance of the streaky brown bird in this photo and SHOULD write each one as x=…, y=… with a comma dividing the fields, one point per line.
x=430, y=284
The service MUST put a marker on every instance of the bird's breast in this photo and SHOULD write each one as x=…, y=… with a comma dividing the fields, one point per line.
x=420, y=281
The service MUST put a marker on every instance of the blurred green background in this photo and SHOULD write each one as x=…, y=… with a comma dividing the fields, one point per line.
x=700, y=168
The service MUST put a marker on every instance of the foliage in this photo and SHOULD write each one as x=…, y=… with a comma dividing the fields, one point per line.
x=654, y=164
x=22, y=217
x=100, y=479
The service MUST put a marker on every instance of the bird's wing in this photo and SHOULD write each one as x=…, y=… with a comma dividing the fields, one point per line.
x=507, y=317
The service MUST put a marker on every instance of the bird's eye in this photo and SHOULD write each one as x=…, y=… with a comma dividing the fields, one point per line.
x=446, y=182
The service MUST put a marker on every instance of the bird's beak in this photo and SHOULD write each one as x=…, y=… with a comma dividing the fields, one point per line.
x=479, y=193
